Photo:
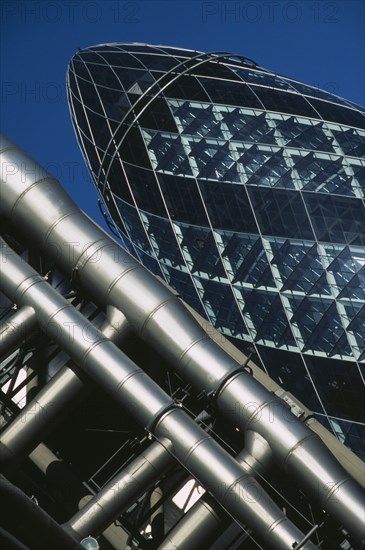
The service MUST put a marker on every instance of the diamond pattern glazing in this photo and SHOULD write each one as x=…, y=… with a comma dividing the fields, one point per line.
x=245, y=191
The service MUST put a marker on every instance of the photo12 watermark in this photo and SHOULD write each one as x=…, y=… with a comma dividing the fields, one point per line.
x=69, y=11
x=228, y=12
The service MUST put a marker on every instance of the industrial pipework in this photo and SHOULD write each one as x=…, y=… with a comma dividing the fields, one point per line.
x=36, y=203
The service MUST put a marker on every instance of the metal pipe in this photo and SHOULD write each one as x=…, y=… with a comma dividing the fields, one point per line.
x=158, y=316
x=61, y=393
x=34, y=421
x=16, y=330
x=21, y=517
x=70, y=490
x=239, y=493
x=204, y=522
x=122, y=491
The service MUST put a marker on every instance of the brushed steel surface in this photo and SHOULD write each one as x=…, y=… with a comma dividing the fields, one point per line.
x=216, y=470
x=17, y=330
x=48, y=215
x=123, y=490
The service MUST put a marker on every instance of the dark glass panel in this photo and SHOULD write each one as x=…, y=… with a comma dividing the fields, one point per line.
x=288, y=370
x=145, y=190
x=357, y=330
x=236, y=247
x=284, y=102
x=100, y=129
x=150, y=263
x=248, y=128
x=169, y=153
x=304, y=136
x=89, y=96
x=266, y=313
x=72, y=81
x=186, y=87
x=164, y=240
x=228, y=206
x=144, y=48
x=118, y=183
x=253, y=266
x=178, y=52
x=81, y=119
x=222, y=308
x=229, y=316
x=90, y=57
x=215, y=70
x=298, y=265
x=104, y=75
x=350, y=141
x=157, y=62
x=214, y=160
x=328, y=333
x=280, y=213
x=273, y=171
x=230, y=93
x=81, y=70
x=120, y=59
x=207, y=260
x=91, y=154
x=182, y=283
x=315, y=92
x=158, y=116
x=134, y=226
x=133, y=149
x=111, y=206
x=340, y=386
x=198, y=120
x=183, y=199
x=115, y=103
x=337, y=219
x=129, y=78
x=260, y=77
x=336, y=113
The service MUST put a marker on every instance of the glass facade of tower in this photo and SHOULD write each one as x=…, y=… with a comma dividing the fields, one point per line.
x=245, y=191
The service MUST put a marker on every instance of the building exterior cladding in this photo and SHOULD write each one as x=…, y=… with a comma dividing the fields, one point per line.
x=245, y=191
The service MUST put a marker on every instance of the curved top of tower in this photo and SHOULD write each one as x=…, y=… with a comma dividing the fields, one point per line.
x=113, y=87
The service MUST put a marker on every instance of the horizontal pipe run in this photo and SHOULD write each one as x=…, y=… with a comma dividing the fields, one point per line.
x=17, y=330
x=123, y=490
x=145, y=400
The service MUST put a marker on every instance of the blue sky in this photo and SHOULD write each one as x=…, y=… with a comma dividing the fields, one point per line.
x=319, y=42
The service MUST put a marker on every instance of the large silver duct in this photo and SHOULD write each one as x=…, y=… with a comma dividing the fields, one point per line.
x=130, y=386
x=19, y=328
x=36, y=202
x=202, y=524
